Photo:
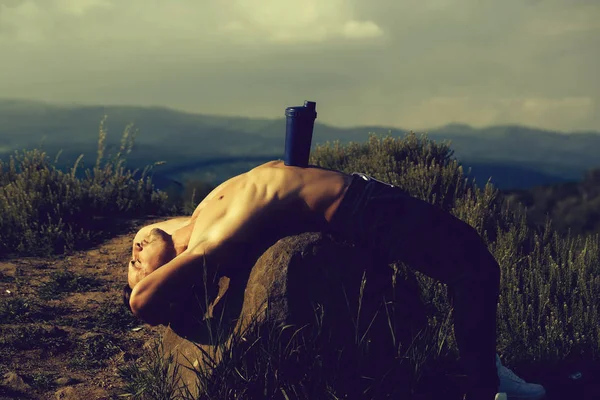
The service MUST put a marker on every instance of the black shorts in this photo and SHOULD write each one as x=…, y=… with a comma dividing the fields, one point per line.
x=364, y=213
x=396, y=227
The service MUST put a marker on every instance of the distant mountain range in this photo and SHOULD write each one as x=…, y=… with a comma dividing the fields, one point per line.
x=197, y=146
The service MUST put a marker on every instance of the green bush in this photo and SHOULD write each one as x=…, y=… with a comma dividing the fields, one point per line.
x=44, y=210
x=550, y=288
x=574, y=207
x=549, y=301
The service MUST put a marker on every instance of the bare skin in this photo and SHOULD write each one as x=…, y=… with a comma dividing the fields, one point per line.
x=271, y=199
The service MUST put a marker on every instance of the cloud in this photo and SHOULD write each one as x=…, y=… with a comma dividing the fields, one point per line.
x=10, y=3
x=361, y=29
x=409, y=63
x=80, y=7
x=288, y=21
x=36, y=21
x=256, y=21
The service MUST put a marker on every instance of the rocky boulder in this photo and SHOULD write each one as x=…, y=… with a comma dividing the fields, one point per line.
x=309, y=280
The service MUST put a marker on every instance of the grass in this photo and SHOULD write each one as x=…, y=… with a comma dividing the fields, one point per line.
x=66, y=281
x=92, y=350
x=43, y=381
x=6, y=278
x=108, y=315
x=51, y=341
x=153, y=377
x=550, y=286
x=112, y=315
x=45, y=210
x=292, y=362
x=27, y=309
x=78, y=338
x=548, y=311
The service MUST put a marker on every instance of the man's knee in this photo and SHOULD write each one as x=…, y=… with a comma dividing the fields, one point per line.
x=487, y=270
x=490, y=270
x=479, y=278
x=481, y=262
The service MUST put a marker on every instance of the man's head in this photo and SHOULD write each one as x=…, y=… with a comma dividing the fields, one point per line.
x=149, y=253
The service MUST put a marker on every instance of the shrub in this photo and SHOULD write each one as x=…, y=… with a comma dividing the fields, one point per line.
x=549, y=297
x=550, y=287
x=44, y=210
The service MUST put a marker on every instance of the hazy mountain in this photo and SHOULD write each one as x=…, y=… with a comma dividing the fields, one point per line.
x=217, y=147
x=572, y=206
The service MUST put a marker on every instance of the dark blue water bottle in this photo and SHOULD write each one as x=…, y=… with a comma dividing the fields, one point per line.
x=299, y=125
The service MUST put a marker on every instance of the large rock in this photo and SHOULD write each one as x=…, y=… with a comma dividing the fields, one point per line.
x=293, y=281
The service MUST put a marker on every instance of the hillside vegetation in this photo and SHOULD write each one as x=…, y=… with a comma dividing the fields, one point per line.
x=46, y=210
x=193, y=145
x=549, y=304
x=572, y=206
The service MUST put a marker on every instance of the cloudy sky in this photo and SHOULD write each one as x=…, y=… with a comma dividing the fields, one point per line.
x=413, y=64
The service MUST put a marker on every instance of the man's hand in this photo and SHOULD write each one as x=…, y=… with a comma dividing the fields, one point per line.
x=170, y=284
x=151, y=298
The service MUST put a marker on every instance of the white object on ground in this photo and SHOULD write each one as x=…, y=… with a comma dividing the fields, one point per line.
x=516, y=388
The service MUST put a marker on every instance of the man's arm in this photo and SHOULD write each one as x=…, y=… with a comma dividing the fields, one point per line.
x=168, y=226
x=151, y=298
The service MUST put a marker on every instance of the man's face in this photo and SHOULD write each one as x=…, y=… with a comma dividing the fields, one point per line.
x=152, y=252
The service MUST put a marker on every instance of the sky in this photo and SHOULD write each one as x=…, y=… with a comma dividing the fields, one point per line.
x=411, y=64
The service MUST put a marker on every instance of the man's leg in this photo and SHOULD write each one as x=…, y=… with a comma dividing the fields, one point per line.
x=445, y=248
x=400, y=228
x=474, y=297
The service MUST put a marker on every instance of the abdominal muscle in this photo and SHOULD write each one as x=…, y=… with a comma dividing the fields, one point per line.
x=272, y=200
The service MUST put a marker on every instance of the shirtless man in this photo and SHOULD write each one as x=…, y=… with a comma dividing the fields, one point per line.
x=272, y=201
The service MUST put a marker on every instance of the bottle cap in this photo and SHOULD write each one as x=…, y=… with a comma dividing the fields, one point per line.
x=306, y=111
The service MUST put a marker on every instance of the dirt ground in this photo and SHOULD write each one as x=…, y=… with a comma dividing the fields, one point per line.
x=67, y=342
x=64, y=331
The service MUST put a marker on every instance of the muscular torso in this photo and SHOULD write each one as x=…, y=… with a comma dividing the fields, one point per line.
x=270, y=201
x=229, y=230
